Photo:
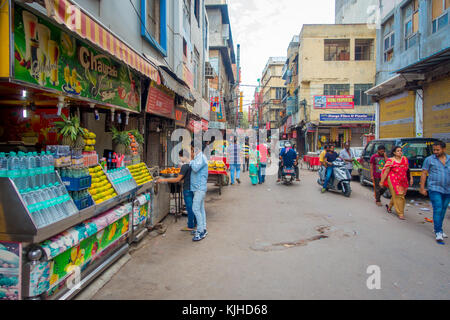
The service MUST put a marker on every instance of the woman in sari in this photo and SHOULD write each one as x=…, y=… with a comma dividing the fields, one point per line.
x=395, y=176
x=254, y=161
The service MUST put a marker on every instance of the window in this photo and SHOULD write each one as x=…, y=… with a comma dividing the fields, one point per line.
x=280, y=93
x=197, y=11
x=439, y=12
x=153, y=25
x=411, y=23
x=336, y=89
x=337, y=50
x=389, y=40
x=187, y=17
x=364, y=49
x=361, y=99
x=184, y=47
x=196, y=71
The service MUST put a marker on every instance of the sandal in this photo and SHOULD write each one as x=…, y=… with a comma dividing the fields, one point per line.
x=389, y=210
x=401, y=217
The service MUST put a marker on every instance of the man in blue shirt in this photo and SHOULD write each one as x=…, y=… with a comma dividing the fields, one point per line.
x=199, y=179
x=437, y=167
x=288, y=158
x=330, y=157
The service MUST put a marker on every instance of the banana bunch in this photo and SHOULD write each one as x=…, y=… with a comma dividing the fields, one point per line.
x=216, y=165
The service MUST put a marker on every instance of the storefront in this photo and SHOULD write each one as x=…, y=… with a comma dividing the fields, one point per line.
x=340, y=128
x=436, y=121
x=85, y=194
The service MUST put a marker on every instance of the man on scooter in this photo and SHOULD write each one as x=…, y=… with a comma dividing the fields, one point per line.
x=330, y=157
x=288, y=158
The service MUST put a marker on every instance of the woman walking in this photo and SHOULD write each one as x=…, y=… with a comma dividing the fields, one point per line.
x=395, y=176
x=254, y=161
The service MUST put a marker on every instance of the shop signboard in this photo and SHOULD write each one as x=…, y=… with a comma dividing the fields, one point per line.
x=352, y=117
x=160, y=101
x=180, y=117
x=217, y=125
x=10, y=270
x=49, y=57
x=205, y=125
x=195, y=125
x=334, y=102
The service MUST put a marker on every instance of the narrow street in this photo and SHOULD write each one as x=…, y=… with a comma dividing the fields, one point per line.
x=290, y=242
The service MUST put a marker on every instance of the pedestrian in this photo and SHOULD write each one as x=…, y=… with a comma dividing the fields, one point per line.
x=263, y=153
x=234, y=159
x=329, y=158
x=377, y=162
x=322, y=155
x=437, y=168
x=199, y=179
x=347, y=155
x=254, y=160
x=188, y=195
x=396, y=175
x=245, y=151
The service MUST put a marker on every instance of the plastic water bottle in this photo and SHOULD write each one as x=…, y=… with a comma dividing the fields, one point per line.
x=43, y=213
x=32, y=183
x=70, y=205
x=23, y=171
x=29, y=199
x=3, y=165
x=14, y=168
x=51, y=178
x=38, y=169
x=62, y=207
x=44, y=169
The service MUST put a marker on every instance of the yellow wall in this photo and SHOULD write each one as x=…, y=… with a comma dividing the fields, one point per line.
x=314, y=71
x=4, y=40
x=437, y=109
x=397, y=108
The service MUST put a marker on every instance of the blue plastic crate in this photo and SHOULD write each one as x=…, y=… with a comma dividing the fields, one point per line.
x=77, y=184
x=84, y=203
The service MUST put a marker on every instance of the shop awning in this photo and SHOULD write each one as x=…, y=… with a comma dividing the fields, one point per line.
x=172, y=82
x=74, y=18
x=427, y=64
x=396, y=82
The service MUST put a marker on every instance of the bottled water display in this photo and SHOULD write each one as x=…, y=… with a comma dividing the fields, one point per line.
x=122, y=180
x=28, y=170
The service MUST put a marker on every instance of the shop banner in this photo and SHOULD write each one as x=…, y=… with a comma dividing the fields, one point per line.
x=180, y=117
x=334, y=102
x=10, y=270
x=78, y=247
x=347, y=117
x=217, y=125
x=51, y=58
x=160, y=101
x=195, y=125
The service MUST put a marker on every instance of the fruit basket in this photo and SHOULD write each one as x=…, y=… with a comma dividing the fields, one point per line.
x=170, y=172
x=140, y=173
x=101, y=189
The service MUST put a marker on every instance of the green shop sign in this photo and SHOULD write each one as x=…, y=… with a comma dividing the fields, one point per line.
x=49, y=57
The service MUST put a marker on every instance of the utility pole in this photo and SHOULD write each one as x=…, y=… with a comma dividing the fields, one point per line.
x=238, y=76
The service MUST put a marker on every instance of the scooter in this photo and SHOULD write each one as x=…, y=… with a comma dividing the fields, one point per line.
x=340, y=179
x=287, y=175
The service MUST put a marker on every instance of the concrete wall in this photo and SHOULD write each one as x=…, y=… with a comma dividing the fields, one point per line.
x=353, y=11
x=314, y=71
x=427, y=45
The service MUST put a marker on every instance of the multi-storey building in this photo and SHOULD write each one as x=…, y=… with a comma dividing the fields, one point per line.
x=413, y=69
x=356, y=11
x=273, y=90
x=336, y=65
x=223, y=62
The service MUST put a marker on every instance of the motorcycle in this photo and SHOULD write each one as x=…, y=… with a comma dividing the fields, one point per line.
x=340, y=179
x=287, y=175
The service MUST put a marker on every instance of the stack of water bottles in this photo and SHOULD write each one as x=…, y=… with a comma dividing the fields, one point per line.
x=77, y=180
x=34, y=176
x=122, y=180
x=28, y=170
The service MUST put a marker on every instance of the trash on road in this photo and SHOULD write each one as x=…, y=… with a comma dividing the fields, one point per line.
x=428, y=220
x=424, y=209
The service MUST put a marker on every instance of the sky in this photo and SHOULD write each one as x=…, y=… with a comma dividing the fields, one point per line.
x=264, y=28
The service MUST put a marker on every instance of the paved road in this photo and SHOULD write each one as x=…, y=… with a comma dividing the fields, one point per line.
x=290, y=242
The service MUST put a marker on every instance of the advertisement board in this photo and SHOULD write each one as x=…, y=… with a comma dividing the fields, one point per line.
x=180, y=117
x=10, y=270
x=334, y=102
x=160, y=101
x=47, y=56
x=397, y=116
x=352, y=117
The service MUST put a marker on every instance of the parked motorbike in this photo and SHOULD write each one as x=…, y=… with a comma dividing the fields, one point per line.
x=287, y=175
x=340, y=179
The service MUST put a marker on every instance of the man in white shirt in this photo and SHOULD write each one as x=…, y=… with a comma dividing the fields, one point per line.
x=347, y=155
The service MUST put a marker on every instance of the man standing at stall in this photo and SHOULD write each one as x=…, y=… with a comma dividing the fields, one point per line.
x=199, y=180
x=234, y=159
x=188, y=195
